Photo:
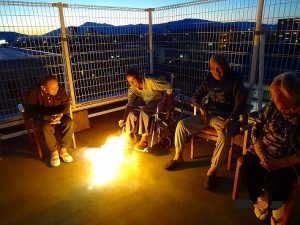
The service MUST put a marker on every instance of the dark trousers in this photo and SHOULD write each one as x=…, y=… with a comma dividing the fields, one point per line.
x=64, y=130
x=277, y=183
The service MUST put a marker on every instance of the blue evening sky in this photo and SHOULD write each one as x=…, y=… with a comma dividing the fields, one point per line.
x=120, y=3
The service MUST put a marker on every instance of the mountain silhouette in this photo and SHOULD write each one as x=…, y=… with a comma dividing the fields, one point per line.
x=108, y=29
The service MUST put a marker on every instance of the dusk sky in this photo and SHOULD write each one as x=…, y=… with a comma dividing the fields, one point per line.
x=123, y=3
x=39, y=20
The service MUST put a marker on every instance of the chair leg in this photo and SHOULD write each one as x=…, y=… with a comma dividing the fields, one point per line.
x=289, y=203
x=236, y=178
x=38, y=144
x=245, y=142
x=74, y=141
x=230, y=154
x=192, y=147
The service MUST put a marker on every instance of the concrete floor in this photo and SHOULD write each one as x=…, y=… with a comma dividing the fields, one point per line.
x=31, y=192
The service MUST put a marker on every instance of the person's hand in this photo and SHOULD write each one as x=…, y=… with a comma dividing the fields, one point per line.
x=204, y=116
x=55, y=119
x=275, y=164
x=227, y=125
x=121, y=123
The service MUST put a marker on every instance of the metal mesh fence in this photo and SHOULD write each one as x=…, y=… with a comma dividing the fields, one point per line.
x=281, y=21
x=103, y=42
x=187, y=35
x=27, y=52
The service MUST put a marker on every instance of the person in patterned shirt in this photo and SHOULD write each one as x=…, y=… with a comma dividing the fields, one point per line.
x=270, y=164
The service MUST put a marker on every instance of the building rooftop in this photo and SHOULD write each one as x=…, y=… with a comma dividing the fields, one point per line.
x=34, y=193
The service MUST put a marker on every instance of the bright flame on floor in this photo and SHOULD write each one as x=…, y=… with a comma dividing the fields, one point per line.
x=110, y=160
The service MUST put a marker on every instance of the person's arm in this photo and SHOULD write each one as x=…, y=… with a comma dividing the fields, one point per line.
x=167, y=101
x=290, y=161
x=257, y=134
x=199, y=94
x=130, y=104
x=64, y=106
x=163, y=86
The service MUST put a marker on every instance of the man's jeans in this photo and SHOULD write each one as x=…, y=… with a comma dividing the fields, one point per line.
x=193, y=124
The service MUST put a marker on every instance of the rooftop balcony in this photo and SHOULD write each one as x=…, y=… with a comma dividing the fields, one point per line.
x=89, y=48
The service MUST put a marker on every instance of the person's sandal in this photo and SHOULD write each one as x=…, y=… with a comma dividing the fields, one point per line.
x=261, y=210
x=277, y=216
x=172, y=165
x=210, y=182
x=276, y=221
x=55, y=161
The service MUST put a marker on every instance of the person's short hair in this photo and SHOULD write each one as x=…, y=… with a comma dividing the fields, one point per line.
x=220, y=58
x=289, y=84
x=132, y=72
x=47, y=78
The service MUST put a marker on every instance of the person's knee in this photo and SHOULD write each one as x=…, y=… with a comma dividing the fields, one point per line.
x=224, y=136
x=47, y=128
x=131, y=116
x=180, y=125
x=70, y=123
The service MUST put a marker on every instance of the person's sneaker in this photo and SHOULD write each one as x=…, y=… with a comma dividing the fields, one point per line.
x=66, y=157
x=210, y=182
x=172, y=165
x=54, y=161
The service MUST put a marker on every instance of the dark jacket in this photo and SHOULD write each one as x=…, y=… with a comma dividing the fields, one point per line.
x=225, y=98
x=40, y=104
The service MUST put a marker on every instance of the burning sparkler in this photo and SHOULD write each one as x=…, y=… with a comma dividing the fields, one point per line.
x=110, y=160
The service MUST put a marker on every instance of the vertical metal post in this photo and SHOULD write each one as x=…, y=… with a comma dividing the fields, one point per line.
x=255, y=47
x=260, y=86
x=65, y=51
x=151, y=50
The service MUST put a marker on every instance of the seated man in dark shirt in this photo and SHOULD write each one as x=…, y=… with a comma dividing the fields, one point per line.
x=48, y=105
x=226, y=96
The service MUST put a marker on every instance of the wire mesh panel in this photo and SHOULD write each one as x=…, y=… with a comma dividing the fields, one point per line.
x=27, y=51
x=282, y=30
x=103, y=43
x=187, y=35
